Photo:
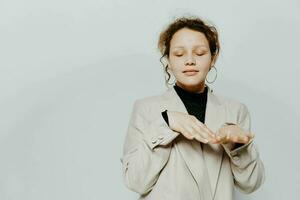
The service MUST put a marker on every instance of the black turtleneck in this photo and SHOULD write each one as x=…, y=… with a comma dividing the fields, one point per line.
x=195, y=103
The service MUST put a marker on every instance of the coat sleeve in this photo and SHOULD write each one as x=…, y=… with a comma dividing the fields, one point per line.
x=146, y=149
x=246, y=165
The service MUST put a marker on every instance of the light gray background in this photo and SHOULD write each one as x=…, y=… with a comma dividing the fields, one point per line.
x=71, y=70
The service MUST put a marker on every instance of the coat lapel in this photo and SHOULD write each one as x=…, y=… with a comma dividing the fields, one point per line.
x=213, y=153
x=203, y=162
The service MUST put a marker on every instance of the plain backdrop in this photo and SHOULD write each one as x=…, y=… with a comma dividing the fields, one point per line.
x=71, y=70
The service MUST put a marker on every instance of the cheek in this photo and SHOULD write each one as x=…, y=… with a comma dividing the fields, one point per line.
x=204, y=62
x=176, y=63
x=176, y=60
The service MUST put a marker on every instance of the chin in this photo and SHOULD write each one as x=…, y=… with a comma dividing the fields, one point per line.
x=190, y=82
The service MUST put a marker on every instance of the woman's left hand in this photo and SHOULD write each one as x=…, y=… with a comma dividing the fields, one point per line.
x=233, y=134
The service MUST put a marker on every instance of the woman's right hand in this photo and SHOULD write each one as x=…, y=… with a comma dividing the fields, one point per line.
x=190, y=127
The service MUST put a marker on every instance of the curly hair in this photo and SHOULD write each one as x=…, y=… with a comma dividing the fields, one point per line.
x=193, y=23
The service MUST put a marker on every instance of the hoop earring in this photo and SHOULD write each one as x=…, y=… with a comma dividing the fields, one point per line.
x=215, y=75
x=174, y=81
x=171, y=75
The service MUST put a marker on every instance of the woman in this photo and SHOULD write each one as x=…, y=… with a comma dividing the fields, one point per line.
x=189, y=143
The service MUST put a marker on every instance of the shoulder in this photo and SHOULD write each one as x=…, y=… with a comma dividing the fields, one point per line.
x=150, y=100
x=148, y=107
x=148, y=103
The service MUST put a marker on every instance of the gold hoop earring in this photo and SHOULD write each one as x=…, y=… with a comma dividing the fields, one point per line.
x=216, y=72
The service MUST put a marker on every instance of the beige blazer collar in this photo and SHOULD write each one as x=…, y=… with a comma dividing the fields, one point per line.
x=203, y=160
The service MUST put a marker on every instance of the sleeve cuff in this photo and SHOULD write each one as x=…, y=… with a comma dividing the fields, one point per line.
x=160, y=133
x=241, y=156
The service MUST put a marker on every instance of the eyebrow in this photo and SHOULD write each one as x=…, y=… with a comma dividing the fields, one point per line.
x=193, y=46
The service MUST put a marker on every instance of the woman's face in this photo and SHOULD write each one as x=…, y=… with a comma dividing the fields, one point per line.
x=190, y=59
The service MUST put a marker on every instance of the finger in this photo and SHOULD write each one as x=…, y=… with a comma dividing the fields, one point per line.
x=193, y=133
x=251, y=135
x=221, y=139
x=217, y=137
x=233, y=138
x=187, y=135
x=214, y=140
x=221, y=136
x=205, y=134
x=240, y=139
x=244, y=139
x=213, y=136
x=222, y=132
x=201, y=139
x=199, y=135
x=187, y=132
x=205, y=128
x=209, y=130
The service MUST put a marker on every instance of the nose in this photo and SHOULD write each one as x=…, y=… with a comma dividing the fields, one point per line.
x=190, y=61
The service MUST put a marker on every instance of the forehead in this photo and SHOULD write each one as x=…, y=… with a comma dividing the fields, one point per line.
x=188, y=38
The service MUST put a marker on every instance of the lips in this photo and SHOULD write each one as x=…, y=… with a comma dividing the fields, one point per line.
x=190, y=70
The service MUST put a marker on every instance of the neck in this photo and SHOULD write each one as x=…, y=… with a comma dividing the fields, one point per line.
x=194, y=89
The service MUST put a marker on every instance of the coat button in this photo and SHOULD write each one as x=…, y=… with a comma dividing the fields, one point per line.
x=161, y=137
x=236, y=158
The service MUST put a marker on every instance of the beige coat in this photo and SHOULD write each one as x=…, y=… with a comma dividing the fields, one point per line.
x=160, y=164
